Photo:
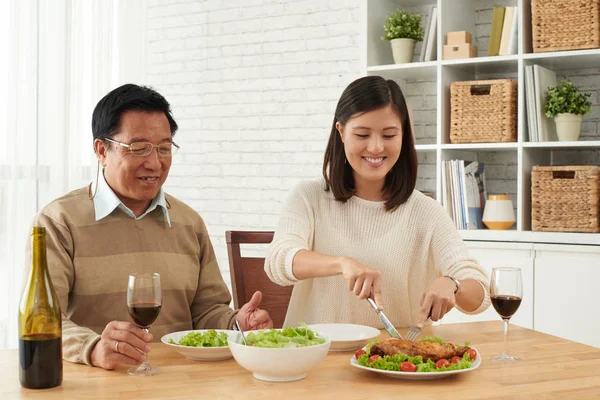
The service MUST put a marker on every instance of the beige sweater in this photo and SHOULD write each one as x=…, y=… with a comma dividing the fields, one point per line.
x=411, y=246
x=90, y=261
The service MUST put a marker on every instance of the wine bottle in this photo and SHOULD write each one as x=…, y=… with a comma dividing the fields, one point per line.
x=40, y=325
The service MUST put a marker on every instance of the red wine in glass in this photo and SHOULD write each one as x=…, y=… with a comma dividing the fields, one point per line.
x=144, y=314
x=144, y=300
x=506, y=292
x=506, y=306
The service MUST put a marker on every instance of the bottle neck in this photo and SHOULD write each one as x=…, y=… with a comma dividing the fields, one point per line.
x=38, y=256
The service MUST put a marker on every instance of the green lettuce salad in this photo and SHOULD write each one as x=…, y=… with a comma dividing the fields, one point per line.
x=210, y=338
x=284, y=338
x=392, y=363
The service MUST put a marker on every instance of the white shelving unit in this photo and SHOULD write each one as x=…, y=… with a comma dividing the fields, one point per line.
x=427, y=88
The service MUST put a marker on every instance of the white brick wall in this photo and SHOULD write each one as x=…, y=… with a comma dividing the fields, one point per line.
x=253, y=85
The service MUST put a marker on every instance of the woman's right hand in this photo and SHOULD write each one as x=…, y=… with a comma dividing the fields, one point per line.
x=362, y=281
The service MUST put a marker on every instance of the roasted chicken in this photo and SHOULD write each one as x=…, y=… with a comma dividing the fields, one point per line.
x=427, y=350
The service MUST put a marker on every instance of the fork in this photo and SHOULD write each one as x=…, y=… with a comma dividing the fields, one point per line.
x=238, y=328
x=414, y=332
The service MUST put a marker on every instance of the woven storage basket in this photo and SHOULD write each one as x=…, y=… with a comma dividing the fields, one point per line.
x=483, y=111
x=565, y=199
x=565, y=24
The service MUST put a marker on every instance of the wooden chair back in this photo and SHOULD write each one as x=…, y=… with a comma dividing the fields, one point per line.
x=248, y=276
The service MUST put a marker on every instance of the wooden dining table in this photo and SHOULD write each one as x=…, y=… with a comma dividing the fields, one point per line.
x=550, y=367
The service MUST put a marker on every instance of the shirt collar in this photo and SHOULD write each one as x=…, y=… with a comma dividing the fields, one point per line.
x=105, y=202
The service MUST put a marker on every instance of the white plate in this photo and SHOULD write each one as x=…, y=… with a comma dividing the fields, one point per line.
x=347, y=337
x=419, y=375
x=200, y=353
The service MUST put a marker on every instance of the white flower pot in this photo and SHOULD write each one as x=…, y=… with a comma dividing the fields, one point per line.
x=568, y=127
x=403, y=50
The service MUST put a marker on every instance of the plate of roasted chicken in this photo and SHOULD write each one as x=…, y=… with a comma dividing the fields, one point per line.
x=427, y=358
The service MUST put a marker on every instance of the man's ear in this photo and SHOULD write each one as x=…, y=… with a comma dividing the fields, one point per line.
x=101, y=148
x=340, y=130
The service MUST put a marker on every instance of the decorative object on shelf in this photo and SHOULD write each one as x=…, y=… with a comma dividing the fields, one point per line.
x=458, y=45
x=483, y=111
x=403, y=30
x=565, y=199
x=567, y=105
x=499, y=213
x=565, y=25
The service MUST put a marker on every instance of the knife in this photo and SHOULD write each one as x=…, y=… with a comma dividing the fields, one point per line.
x=386, y=322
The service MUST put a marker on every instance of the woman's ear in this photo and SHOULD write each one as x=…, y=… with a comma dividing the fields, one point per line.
x=340, y=130
x=100, y=149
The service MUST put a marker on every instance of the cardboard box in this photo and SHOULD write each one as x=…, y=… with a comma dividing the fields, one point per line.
x=460, y=37
x=464, y=50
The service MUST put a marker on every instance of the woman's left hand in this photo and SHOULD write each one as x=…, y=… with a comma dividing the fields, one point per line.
x=438, y=300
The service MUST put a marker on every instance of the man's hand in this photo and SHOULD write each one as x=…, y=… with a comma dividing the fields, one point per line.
x=121, y=342
x=437, y=300
x=251, y=317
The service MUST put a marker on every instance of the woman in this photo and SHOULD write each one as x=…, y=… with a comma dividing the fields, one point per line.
x=366, y=232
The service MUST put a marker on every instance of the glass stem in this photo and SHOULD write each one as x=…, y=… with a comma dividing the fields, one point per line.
x=145, y=365
x=505, y=336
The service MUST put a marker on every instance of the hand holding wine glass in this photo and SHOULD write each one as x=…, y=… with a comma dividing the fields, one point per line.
x=144, y=300
x=506, y=290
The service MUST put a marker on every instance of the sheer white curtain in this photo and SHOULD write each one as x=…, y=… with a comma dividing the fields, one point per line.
x=59, y=59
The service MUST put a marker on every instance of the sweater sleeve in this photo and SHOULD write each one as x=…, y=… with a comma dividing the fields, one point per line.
x=210, y=307
x=77, y=341
x=294, y=232
x=451, y=256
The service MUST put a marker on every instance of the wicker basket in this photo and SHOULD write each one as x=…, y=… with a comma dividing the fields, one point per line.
x=483, y=111
x=565, y=24
x=565, y=199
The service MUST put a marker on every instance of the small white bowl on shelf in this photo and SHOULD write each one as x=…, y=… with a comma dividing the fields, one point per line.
x=278, y=364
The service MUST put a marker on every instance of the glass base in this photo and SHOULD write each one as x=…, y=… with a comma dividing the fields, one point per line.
x=505, y=359
x=143, y=370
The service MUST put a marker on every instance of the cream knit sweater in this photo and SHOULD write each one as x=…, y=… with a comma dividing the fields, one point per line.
x=411, y=246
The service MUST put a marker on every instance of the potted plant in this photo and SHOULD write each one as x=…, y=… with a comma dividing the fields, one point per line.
x=567, y=106
x=403, y=30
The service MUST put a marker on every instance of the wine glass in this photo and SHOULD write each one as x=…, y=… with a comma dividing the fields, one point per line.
x=144, y=300
x=506, y=290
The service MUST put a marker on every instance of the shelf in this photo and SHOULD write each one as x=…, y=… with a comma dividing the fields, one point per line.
x=426, y=147
x=485, y=65
x=411, y=71
x=576, y=59
x=590, y=144
x=482, y=146
x=530, y=237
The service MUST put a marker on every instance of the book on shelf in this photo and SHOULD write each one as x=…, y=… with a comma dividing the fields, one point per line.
x=543, y=79
x=531, y=104
x=508, y=39
x=426, y=35
x=431, y=45
x=538, y=80
x=513, y=43
x=496, y=31
x=464, y=192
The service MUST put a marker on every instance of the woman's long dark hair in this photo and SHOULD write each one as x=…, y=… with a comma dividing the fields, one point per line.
x=367, y=94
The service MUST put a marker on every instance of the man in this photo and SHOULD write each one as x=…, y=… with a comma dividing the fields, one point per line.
x=124, y=223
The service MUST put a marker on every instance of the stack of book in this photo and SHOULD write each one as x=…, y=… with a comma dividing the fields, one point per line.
x=503, y=34
x=464, y=192
x=428, y=51
x=537, y=82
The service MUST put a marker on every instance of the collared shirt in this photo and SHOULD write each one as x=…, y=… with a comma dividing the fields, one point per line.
x=105, y=202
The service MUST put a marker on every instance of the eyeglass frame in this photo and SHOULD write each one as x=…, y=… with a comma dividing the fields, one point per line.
x=157, y=146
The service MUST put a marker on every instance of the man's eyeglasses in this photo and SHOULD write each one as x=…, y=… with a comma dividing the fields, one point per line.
x=142, y=149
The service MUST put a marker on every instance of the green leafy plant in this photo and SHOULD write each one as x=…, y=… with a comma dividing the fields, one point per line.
x=403, y=25
x=566, y=98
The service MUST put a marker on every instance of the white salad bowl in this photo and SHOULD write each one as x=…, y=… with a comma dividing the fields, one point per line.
x=200, y=353
x=278, y=364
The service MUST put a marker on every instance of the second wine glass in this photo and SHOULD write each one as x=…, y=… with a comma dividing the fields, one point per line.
x=506, y=291
x=144, y=300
